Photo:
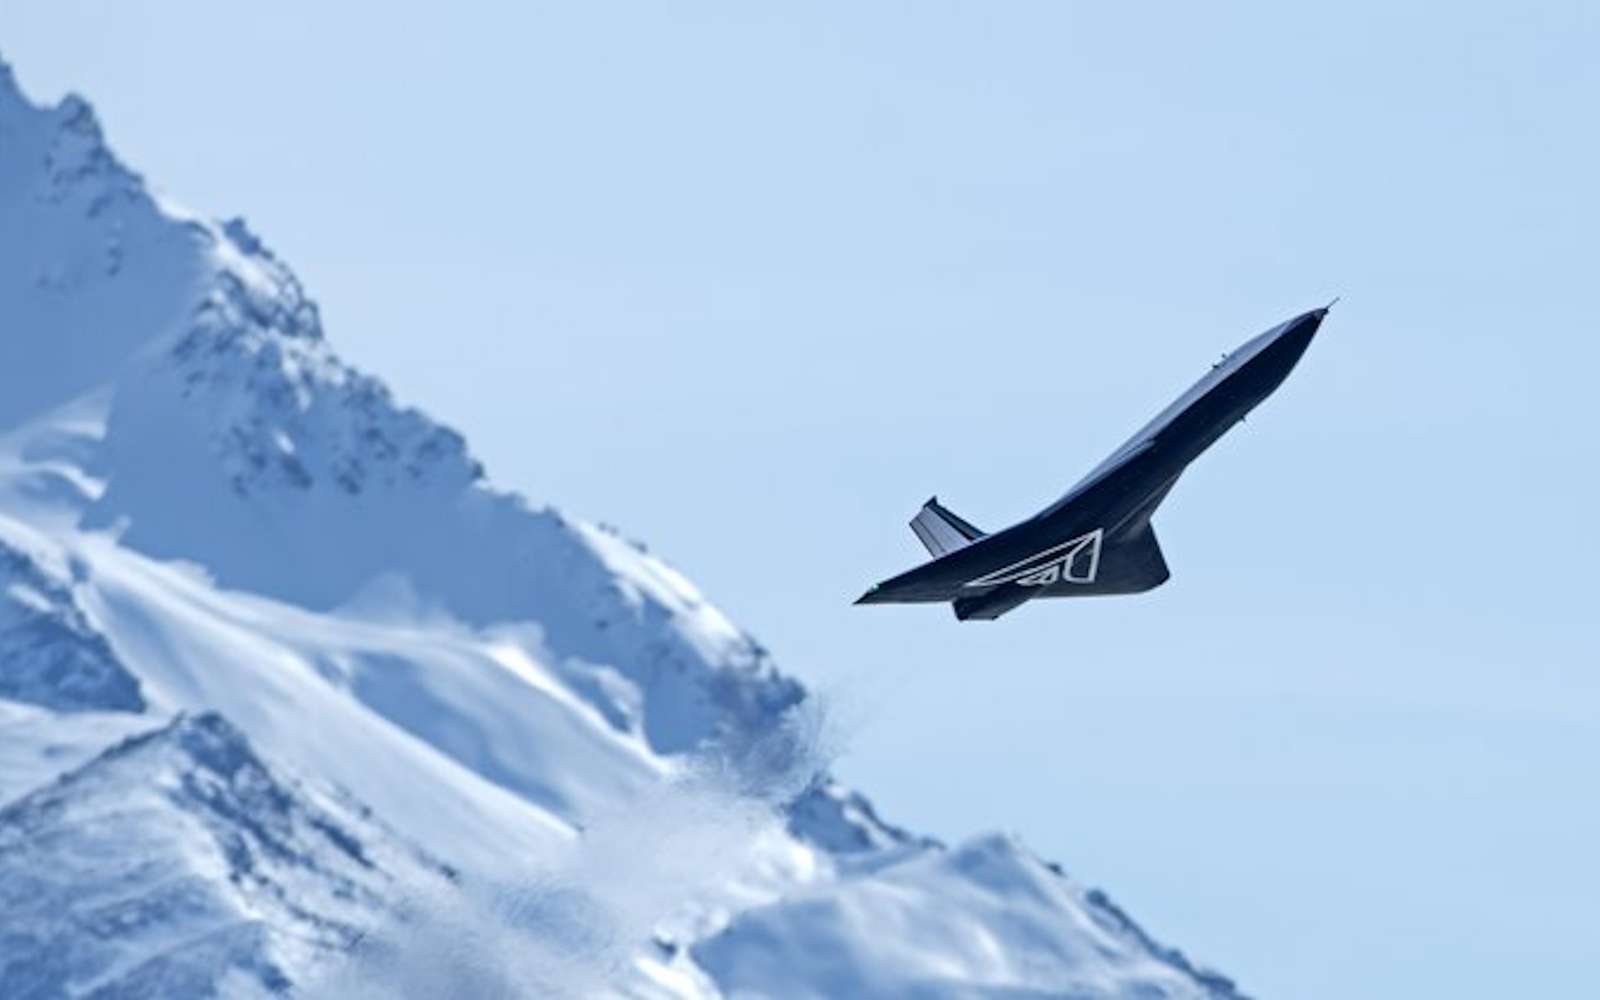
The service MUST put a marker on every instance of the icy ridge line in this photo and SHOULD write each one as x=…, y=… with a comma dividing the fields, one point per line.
x=178, y=856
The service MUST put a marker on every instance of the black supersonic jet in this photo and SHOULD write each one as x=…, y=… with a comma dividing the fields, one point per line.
x=1097, y=538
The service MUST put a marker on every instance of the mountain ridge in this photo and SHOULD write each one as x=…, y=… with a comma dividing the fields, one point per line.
x=145, y=918
x=289, y=564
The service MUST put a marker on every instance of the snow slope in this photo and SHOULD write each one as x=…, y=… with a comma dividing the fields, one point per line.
x=178, y=859
x=986, y=919
x=281, y=671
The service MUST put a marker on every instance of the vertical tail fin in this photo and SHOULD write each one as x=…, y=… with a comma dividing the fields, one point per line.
x=940, y=531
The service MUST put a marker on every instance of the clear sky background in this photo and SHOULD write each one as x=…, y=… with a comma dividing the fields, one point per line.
x=751, y=284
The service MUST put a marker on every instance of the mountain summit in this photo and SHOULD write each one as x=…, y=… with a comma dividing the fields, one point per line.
x=292, y=699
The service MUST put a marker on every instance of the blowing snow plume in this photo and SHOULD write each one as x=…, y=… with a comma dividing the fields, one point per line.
x=639, y=883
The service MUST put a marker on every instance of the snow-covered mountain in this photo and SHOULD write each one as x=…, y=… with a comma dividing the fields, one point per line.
x=177, y=860
x=292, y=699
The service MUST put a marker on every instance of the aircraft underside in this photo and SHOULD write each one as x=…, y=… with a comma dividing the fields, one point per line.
x=1086, y=566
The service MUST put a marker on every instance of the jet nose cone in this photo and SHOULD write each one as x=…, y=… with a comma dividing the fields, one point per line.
x=1297, y=335
x=1308, y=323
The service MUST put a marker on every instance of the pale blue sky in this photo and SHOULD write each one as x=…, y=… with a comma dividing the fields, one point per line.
x=751, y=284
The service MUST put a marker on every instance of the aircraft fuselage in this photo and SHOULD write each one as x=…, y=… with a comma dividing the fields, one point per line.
x=1096, y=539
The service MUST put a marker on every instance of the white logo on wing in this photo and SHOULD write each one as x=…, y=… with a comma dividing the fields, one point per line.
x=1075, y=561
